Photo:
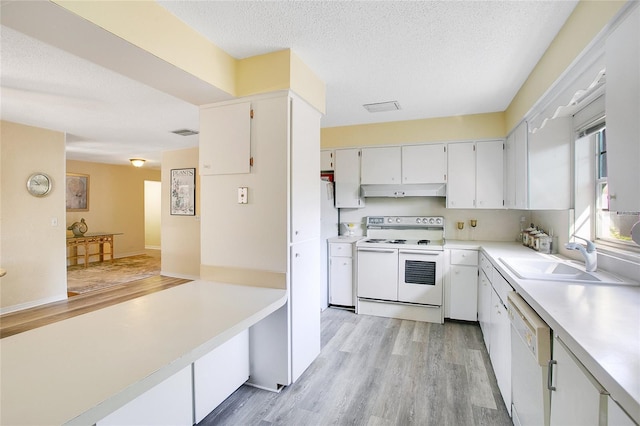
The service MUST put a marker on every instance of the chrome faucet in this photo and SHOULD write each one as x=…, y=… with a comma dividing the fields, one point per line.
x=589, y=253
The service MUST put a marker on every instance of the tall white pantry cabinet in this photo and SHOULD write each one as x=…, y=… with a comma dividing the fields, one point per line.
x=271, y=144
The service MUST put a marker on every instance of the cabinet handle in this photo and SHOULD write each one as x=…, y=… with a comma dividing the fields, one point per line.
x=550, y=365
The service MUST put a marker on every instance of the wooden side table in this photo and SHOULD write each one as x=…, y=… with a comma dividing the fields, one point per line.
x=86, y=241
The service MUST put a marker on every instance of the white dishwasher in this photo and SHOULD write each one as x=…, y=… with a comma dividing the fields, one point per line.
x=530, y=354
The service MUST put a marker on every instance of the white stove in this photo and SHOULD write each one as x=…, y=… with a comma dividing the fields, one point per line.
x=408, y=232
x=400, y=267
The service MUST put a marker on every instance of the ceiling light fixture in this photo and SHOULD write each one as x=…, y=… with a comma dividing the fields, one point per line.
x=137, y=162
x=382, y=106
x=185, y=132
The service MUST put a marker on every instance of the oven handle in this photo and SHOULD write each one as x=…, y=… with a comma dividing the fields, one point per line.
x=377, y=250
x=423, y=252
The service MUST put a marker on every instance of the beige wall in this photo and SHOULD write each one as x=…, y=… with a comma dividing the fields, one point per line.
x=152, y=214
x=180, y=234
x=33, y=251
x=116, y=203
x=464, y=127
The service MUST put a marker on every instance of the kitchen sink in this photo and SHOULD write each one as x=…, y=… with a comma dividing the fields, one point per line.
x=555, y=270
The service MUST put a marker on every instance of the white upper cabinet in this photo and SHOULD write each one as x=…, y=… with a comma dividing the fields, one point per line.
x=475, y=172
x=347, y=178
x=461, y=186
x=549, y=165
x=424, y=163
x=381, y=165
x=305, y=196
x=225, y=139
x=516, y=193
x=623, y=109
x=327, y=162
x=490, y=175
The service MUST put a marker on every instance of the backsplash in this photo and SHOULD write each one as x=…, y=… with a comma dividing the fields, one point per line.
x=492, y=225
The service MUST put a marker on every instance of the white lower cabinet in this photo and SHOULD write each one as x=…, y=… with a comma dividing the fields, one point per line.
x=463, y=282
x=341, y=274
x=219, y=373
x=616, y=416
x=167, y=403
x=578, y=399
x=500, y=347
x=484, y=307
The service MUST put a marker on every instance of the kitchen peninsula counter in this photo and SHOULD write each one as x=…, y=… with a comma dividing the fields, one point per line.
x=81, y=369
x=600, y=323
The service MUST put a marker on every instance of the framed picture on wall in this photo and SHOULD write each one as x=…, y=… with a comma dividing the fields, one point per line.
x=77, y=192
x=183, y=192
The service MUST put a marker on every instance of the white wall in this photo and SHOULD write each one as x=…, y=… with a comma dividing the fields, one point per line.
x=152, y=214
x=33, y=248
x=180, y=243
x=493, y=225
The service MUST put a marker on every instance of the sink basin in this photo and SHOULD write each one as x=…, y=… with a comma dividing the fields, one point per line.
x=555, y=270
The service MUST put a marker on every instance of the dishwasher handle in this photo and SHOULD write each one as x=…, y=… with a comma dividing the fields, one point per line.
x=550, y=365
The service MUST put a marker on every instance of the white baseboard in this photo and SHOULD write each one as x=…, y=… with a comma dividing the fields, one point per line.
x=153, y=247
x=32, y=304
x=183, y=276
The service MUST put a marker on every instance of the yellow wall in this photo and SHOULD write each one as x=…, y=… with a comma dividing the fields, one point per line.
x=152, y=214
x=33, y=251
x=478, y=126
x=180, y=234
x=152, y=28
x=586, y=21
x=116, y=203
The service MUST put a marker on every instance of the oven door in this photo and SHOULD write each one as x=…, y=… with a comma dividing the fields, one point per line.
x=378, y=273
x=420, y=276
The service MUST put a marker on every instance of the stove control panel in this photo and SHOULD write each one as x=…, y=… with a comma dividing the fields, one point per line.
x=405, y=221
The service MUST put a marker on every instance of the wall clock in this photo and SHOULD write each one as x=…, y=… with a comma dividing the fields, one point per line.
x=39, y=184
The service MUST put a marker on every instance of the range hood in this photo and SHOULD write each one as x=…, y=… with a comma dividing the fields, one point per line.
x=409, y=190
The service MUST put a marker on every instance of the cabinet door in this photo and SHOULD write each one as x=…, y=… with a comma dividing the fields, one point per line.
x=225, y=139
x=461, y=184
x=347, y=178
x=515, y=176
x=464, y=293
x=490, y=175
x=484, y=308
x=500, y=348
x=340, y=281
x=305, y=311
x=219, y=373
x=381, y=165
x=378, y=274
x=623, y=110
x=305, y=170
x=326, y=160
x=577, y=398
x=424, y=163
x=550, y=165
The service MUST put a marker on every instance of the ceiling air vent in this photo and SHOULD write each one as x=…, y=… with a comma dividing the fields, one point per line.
x=185, y=132
x=382, y=106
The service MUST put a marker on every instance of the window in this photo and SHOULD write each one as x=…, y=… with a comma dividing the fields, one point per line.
x=609, y=227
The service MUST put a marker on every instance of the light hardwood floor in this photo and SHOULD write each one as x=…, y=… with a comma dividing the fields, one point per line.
x=379, y=371
x=27, y=319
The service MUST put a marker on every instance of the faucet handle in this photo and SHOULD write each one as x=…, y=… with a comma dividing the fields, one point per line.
x=590, y=246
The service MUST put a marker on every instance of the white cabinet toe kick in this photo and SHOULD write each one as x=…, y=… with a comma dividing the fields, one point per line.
x=400, y=310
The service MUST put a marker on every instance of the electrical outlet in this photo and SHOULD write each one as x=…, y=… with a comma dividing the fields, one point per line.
x=242, y=195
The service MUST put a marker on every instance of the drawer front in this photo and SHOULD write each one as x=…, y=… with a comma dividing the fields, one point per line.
x=486, y=266
x=501, y=286
x=464, y=257
x=340, y=249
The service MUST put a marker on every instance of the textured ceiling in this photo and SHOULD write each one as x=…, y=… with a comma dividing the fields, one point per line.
x=435, y=58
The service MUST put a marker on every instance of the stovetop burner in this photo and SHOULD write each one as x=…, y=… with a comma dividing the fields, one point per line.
x=424, y=242
x=397, y=241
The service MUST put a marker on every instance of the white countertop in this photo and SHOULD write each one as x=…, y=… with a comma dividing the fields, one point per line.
x=600, y=323
x=345, y=239
x=81, y=369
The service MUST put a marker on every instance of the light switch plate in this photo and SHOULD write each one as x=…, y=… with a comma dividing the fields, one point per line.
x=242, y=195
